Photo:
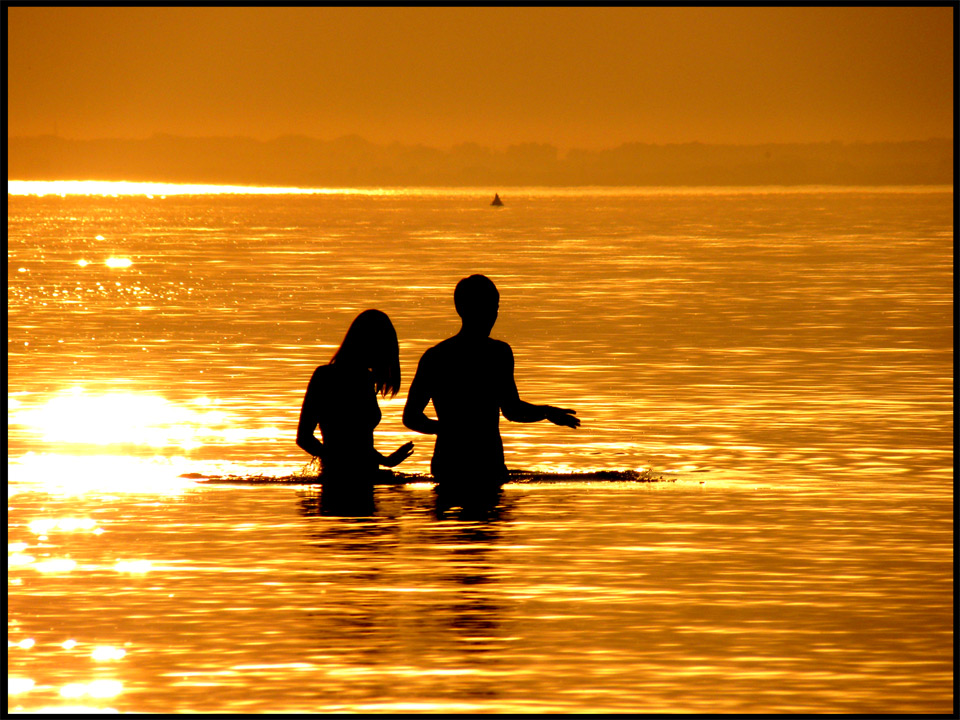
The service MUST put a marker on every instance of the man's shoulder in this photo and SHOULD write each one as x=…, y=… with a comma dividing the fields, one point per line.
x=497, y=348
x=459, y=344
x=438, y=349
x=456, y=350
x=500, y=346
x=444, y=347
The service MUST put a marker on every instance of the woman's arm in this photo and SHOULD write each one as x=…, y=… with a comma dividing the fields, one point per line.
x=396, y=457
x=309, y=416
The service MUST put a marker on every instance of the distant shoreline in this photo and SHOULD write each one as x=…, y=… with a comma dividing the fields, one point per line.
x=108, y=188
x=351, y=162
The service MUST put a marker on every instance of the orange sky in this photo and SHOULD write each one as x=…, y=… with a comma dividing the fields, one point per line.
x=572, y=77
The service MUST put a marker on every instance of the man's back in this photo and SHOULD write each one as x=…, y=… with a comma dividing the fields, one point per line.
x=469, y=379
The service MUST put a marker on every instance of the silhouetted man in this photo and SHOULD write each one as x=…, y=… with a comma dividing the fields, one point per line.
x=469, y=377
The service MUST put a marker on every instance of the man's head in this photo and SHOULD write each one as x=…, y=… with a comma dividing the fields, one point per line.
x=477, y=302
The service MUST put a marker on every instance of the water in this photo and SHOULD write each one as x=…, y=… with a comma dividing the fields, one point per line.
x=783, y=358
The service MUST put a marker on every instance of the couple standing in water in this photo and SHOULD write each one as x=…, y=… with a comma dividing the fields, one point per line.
x=469, y=378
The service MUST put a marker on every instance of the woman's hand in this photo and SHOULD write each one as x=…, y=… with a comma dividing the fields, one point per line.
x=398, y=456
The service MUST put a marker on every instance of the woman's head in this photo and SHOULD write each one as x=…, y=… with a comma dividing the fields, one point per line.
x=371, y=342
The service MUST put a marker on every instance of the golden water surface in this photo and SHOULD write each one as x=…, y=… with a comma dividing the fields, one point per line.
x=782, y=358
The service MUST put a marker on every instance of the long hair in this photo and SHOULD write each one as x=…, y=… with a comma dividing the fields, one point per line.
x=372, y=342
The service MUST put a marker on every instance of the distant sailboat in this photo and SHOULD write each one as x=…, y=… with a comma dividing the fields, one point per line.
x=496, y=200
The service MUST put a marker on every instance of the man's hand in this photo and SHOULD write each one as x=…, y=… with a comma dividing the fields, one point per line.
x=398, y=456
x=559, y=416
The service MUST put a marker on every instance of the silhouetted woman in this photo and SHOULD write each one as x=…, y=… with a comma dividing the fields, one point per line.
x=342, y=399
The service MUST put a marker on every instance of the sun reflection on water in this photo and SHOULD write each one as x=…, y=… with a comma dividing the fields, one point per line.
x=115, y=262
x=42, y=526
x=133, y=566
x=118, y=418
x=95, y=689
x=73, y=710
x=105, y=652
x=161, y=190
x=55, y=565
x=79, y=474
x=16, y=686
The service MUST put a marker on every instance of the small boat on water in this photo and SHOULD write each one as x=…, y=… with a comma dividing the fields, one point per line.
x=497, y=202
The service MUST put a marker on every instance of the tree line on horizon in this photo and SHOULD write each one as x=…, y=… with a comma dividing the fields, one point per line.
x=351, y=161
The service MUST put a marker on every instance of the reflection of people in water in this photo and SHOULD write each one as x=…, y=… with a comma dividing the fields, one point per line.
x=342, y=399
x=469, y=378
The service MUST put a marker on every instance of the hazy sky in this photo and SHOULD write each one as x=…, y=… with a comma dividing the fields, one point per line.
x=573, y=77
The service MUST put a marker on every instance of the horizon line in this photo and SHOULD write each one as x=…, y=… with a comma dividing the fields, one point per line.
x=116, y=188
x=518, y=143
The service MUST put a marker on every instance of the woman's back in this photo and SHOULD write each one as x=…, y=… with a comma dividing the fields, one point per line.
x=342, y=400
x=347, y=412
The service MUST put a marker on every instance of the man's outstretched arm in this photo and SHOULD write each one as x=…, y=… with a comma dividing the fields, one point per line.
x=521, y=411
x=417, y=399
x=516, y=410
